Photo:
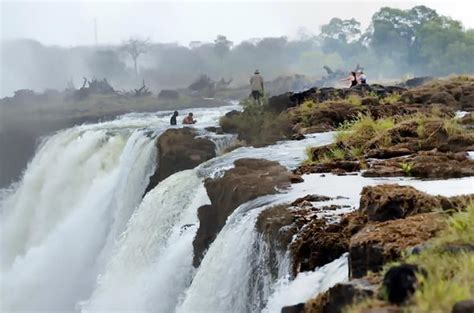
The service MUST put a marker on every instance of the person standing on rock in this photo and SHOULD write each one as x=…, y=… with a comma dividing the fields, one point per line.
x=189, y=119
x=173, y=118
x=256, y=84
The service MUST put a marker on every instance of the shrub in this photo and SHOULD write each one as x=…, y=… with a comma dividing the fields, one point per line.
x=257, y=125
x=358, y=132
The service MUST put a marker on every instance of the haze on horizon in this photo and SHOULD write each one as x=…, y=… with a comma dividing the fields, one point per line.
x=71, y=23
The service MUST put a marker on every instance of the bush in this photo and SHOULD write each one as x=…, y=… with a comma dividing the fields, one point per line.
x=257, y=125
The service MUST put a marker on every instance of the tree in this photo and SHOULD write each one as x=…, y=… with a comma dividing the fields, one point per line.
x=222, y=46
x=393, y=31
x=341, y=36
x=344, y=30
x=135, y=47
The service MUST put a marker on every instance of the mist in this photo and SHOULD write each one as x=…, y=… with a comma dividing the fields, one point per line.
x=86, y=40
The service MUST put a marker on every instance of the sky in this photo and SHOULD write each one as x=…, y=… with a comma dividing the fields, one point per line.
x=71, y=23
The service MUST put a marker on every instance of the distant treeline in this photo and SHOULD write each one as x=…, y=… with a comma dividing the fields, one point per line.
x=397, y=43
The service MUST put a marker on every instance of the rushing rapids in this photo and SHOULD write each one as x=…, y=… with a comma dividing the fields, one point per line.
x=76, y=234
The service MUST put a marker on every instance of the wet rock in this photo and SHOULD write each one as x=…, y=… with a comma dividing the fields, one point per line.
x=466, y=306
x=386, y=202
x=339, y=297
x=311, y=198
x=281, y=102
x=178, y=150
x=214, y=129
x=231, y=128
x=387, y=153
x=379, y=243
x=297, y=308
x=298, y=136
x=430, y=164
x=467, y=119
x=249, y=179
x=335, y=167
x=400, y=282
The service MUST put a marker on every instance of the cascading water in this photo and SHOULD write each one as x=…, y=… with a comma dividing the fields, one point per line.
x=76, y=196
x=153, y=260
x=76, y=234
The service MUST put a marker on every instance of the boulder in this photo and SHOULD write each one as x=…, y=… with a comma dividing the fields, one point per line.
x=429, y=164
x=391, y=201
x=379, y=243
x=337, y=298
x=249, y=179
x=178, y=150
x=297, y=308
x=466, y=306
x=335, y=167
x=400, y=282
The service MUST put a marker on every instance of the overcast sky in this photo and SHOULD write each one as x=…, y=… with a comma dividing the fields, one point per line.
x=69, y=23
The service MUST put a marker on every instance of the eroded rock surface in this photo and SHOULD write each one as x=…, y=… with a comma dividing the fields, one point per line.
x=178, y=150
x=249, y=179
x=379, y=243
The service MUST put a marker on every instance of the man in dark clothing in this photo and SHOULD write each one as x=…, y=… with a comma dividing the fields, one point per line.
x=173, y=118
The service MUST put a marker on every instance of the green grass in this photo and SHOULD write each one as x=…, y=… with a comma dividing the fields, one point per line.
x=364, y=128
x=391, y=99
x=452, y=127
x=449, y=276
x=406, y=168
x=354, y=100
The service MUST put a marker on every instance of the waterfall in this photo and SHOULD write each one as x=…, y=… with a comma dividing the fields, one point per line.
x=234, y=274
x=76, y=235
x=153, y=260
x=75, y=198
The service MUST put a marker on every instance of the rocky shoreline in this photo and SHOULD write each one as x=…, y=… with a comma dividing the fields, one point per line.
x=381, y=132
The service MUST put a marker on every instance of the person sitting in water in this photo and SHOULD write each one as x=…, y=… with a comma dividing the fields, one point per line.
x=352, y=78
x=189, y=119
x=173, y=118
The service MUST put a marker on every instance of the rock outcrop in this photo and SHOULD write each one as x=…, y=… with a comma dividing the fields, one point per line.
x=178, y=150
x=379, y=243
x=249, y=179
x=337, y=298
x=390, y=201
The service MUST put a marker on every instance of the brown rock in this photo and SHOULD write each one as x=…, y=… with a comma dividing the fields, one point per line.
x=386, y=202
x=178, y=150
x=466, y=306
x=335, y=167
x=430, y=164
x=339, y=297
x=249, y=179
x=444, y=98
x=379, y=243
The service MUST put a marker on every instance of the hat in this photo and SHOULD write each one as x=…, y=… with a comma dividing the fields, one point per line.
x=257, y=72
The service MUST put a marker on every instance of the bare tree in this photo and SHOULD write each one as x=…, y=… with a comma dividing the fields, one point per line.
x=135, y=47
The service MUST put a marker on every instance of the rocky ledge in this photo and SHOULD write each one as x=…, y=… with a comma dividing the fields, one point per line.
x=249, y=179
x=180, y=149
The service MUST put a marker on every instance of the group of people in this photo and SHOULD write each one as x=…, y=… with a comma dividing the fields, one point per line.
x=189, y=119
x=356, y=78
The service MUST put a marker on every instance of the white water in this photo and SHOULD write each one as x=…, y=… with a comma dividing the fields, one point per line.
x=76, y=235
x=307, y=284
